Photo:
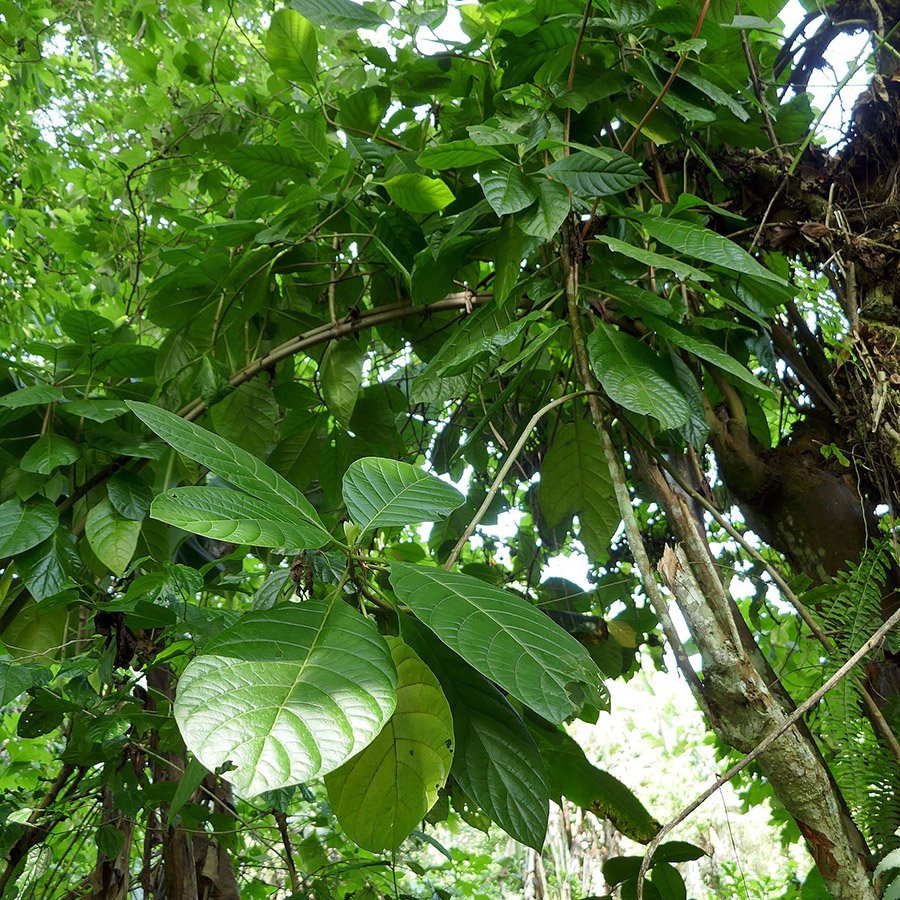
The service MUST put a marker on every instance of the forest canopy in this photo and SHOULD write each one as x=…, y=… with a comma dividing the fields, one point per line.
x=297, y=303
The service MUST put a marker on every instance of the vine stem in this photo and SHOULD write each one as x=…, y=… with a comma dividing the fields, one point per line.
x=504, y=471
x=764, y=745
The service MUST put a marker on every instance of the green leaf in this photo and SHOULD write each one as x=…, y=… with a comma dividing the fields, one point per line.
x=506, y=188
x=130, y=495
x=286, y=694
x=46, y=569
x=263, y=162
x=576, y=779
x=637, y=377
x=702, y=243
x=456, y=155
x=96, y=409
x=341, y=376
x=16, y=677
x=509, y=249
x=112, y=537
x=247, y=416
x=380, y=493
x=504, y=637
x=291, y=47
x=649, y=258
x=382, y=793
x=669, y=883
x=552, y=207
x=575, y=480
x=343, y=15
x=705, y=350
x=591, y=173
x=234, y=516
x=36, y=395
x=418, y=193
x=48, y=453
x=231, y=463
x=496, y=761
x=24, y=527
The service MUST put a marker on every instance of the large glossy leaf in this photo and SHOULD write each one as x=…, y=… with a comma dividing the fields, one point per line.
x=237, y=466
x=506, y=188
x=702, y=243
x=234, y=516
x=287, y=694
x=48, y=453
x=504, y=637
x=637, y=377
x=382, y=793
x=575, y=480
x=112, y=537
x=291, y=47
x=596, y=172
x=380, y=493
x=572, y=776
x=129, y=494
x=418, y=193
x=496, y=762
x=47, y=568
x=341, y=14
x=23, y=527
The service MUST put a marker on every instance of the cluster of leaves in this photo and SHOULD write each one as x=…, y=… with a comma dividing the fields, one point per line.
x=351, y=262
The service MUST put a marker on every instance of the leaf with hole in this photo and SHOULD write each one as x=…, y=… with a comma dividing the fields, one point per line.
x=286, y=694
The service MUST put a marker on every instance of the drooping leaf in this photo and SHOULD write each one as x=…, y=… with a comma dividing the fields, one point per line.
x=112, y=537
x=418, y=193
x=286, y=694
x=234, y=516
x=550, y=210
x=657, y=260
x=575, y=480
x=502, y=636
x=380, y=493
x=291, y=47
x=23, y=527
x=341, y=377
x=506, y=188
x=230, y=462
x=496, y=761
x=637, y=377
x=381, y=794
x=48, y=453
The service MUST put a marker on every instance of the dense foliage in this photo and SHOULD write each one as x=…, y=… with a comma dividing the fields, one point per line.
x=274, y=280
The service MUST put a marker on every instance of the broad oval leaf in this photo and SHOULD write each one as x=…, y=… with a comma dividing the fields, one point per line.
x=382, y=793
x=341, y=14
x=552, y=207
x=236, y=466
x=637, y=377
x=504, y=637
x=48, y=453
x=575, y=480
x=381, y=493
x=496, y=762
x=506, y=188
x=456, y=155
x=129, y=494
x=340, y=374
x=24, y=527
x=291, y=47
x=234, y=516
x=112, y=537
x=702, y=243
x=595, y=172
x=418, y=193
x=286, y=694
x=46, y=568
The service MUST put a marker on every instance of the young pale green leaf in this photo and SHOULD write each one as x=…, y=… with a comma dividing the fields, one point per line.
x=343, y=15
x=291, y=47
x=702, y=243
x=341, y=377
x=549, y=212
x=596, y=172
x=24, y=527
x=234, y=516
x=456, y=155
x=381, y=794
x=637, y=377
x=237, y=466
x=506, y=188
x=575, y=480
x=380, y=493
x=706, y=350
x=504, y=637
x=418, y=193
x=286, y=694
x=112, y=537
x=657, y=260
x=48, y=453
x=496, y=761
x=572, y=776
